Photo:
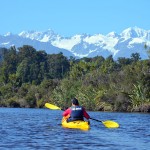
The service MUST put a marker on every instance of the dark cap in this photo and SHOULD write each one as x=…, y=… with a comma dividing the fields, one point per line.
x=75, y=101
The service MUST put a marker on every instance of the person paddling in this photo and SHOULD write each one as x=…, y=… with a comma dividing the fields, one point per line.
x=76, y=112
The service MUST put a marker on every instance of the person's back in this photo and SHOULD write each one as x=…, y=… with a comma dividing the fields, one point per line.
x=76, y=112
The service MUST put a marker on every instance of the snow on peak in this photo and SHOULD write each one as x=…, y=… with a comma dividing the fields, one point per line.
x=67, y=43
x=5, y=43
x=107, y=42
x=45, y=36
x=8, y=34
x=30, y=34
x=133, y=33
x=94, y=39
x=112, y=34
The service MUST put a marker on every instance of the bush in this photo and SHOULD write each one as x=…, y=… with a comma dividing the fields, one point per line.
x=12, y=102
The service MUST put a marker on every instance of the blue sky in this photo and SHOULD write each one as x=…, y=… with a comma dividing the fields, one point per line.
x=70, y=17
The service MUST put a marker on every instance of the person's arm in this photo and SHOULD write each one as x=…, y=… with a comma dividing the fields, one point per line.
x=86, y=115
x=67, y=112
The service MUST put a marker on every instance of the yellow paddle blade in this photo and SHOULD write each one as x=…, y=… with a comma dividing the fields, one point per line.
x=110, y=124
x=50, y=106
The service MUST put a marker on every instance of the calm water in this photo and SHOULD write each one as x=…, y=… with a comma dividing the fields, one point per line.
x=23, y=129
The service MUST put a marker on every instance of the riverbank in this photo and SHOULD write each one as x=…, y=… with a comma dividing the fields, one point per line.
x=145, y=108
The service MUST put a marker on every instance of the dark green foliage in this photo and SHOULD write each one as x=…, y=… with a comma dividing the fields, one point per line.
x=135, y=57
x=58, y=65
x=122, y=61
x=30, y=78
x=2, y=53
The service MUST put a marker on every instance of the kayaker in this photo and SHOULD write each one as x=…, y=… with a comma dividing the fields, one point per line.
x=76, y=112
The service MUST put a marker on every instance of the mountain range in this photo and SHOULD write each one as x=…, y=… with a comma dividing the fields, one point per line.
x=130, y=40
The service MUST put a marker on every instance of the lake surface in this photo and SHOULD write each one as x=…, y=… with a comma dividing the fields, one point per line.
x=32, y=129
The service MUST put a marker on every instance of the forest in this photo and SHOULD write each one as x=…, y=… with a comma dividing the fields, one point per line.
x=30, y=78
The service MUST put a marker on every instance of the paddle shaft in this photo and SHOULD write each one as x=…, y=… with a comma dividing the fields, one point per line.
x=95, y=119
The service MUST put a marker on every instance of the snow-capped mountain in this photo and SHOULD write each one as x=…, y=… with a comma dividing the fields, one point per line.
x=131, y=40
x=34, y=39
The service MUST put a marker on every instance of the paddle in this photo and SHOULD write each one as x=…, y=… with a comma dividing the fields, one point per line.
x=50, y=106
x=107, y=123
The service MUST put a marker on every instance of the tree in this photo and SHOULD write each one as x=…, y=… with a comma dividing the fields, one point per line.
x=58, y=66
x=122, y=61
x=135, y=57
x=11, y=60
x=26, y=52
x=9, y=64
x=23, y=71
x=2, y=53
x=108, y=65
x=33, y=65
x=147, y=48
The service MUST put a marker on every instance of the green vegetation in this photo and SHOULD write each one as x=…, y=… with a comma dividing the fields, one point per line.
x=30, y=78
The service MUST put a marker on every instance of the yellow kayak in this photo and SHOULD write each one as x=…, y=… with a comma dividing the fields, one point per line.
x=79, y=124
